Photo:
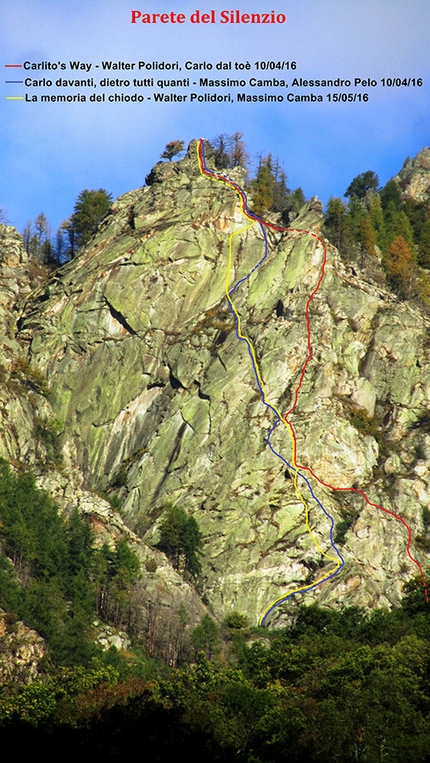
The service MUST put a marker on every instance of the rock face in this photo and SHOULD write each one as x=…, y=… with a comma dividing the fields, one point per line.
x=159, y=400
x=21, y=651
x=414, y=177
x=26, y=415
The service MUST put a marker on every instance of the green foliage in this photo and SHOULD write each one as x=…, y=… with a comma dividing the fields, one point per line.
x=342, y=528
x=51, y=574
x=48, y=560
x=270, y=189
x=120, y=478
x=124, y=568
x=391, y=197
x=426, y=516
x=271, y=193
x=115, y=502
x=181, y=539
x=377, y=220
x=397, y=224
x=358, y=226
x=60, y=695
x=336, y=224
x=172, y=149
x=117, y=571
x=263, y=187
x=205, y=637
x=31, y=525
x=297, y=199
x=362, y=184
x=374, y=223
x=151, y=565
x=10, y=592
x=364, y=423
x=338, y=685
x=33, y=378
x=282, y=197
x=415, y=604
x=367, y=235
x=361, y=227
x=418, y=213
x=424, y=246
x=89, y=210
x=48, y=431
x=236, y=620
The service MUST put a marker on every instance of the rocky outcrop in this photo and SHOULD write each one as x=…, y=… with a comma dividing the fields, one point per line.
x=160, y=404
x=26, y=417
x=21, y=651
x=414, y=177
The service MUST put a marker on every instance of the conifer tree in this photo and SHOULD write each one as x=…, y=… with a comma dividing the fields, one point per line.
x=60, y=246
x=398, y=262
x=205, y=637
x=362, y=184
x=230, y=151
x=336, y=224
x=263, y=186
x=391, y=196
x=296, y=199
x=418, y=213
x=180, y=539
x=90, y=208
x=377, y=220
x=367, y=235
x=397, y=224
x=424, y=246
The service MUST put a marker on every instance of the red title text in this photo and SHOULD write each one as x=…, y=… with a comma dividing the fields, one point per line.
x=209, y=17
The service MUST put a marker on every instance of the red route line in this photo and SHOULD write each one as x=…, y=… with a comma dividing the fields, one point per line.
x=302, y=376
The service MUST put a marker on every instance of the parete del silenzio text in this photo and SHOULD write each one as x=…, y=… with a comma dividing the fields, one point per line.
x=210, y=17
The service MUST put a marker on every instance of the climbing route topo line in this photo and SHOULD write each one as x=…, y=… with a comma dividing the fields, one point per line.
x=284, y=418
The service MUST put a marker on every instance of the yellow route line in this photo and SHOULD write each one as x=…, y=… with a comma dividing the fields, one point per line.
x=265, y=399
x=267, y=402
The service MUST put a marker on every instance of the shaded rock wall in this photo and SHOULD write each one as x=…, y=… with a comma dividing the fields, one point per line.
x=27, y=409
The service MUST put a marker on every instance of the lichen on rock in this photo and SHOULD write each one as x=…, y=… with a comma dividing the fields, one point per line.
x=146, y=372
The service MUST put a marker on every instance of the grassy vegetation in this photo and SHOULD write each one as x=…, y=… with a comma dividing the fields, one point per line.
x=30, y=376
x=51, y=574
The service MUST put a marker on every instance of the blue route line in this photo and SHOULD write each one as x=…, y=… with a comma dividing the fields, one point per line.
x=252, y=215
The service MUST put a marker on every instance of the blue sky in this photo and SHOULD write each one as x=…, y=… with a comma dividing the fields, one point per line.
x=52, y=151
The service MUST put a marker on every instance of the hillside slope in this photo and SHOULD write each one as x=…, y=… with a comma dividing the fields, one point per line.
x=159, y=403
